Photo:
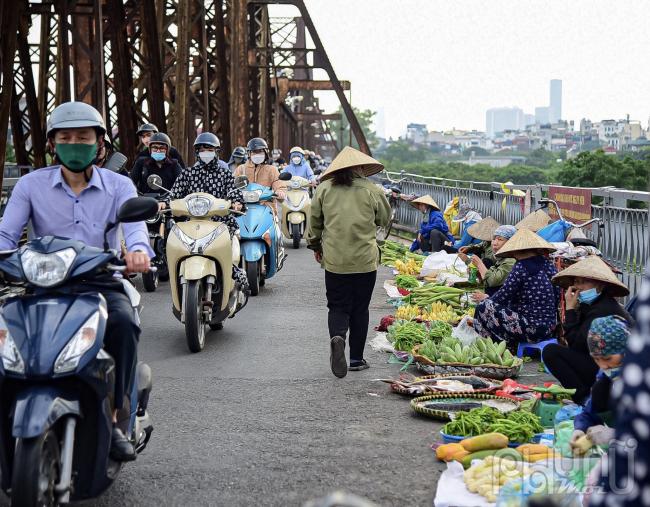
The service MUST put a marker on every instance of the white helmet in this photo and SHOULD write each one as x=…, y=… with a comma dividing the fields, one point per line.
x=297, y=149
x=71, y=115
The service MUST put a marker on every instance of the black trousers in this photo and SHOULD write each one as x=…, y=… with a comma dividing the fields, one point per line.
x=348, y=300
x=121, y=342
x=436, y=243
x=573, y=369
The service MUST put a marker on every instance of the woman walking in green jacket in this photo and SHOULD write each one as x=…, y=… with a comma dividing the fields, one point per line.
x=345, y=213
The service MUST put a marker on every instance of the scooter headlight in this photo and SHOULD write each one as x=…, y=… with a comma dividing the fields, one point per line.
x=198, y=246
x=46, y=270
x=293, y=206
x=11, y=358
x=198, y=206
x=82, y=341
x=252, y=196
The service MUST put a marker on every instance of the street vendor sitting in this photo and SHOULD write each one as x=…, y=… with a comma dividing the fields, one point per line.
x=607, y=341
x=467, y=217
x=591, y=292
x=494, y=274
x=482, y=231
x=524, y=309
x=433, y=235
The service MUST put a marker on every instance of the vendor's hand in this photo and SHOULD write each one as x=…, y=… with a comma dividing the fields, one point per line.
x=574, y=438
x=601, y=435
x=463, y=250
x=470, y=322
x=476, y=260
x=237, y=206
x=462, y=256
x=477, y=296
x=137, y=262
x=318, y=256
x=571, y=298
x=162, y=205
x=280, y=195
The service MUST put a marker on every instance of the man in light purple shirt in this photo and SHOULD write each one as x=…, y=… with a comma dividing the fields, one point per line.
x=76, y=200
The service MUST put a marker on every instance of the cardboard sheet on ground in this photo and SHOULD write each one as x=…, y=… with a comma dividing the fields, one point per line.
x=391, y=289
x=452, y=491
x=442, y=261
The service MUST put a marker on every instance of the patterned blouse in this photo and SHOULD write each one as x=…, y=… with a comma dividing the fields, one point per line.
x=528, y=292
x=212, y=179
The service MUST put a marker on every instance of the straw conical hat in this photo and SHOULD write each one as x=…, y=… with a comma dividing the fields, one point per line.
x=535, y=221
x=484, y=229
x=348, y=158
x=594, y=268
x=524, y=239
x=425, y=199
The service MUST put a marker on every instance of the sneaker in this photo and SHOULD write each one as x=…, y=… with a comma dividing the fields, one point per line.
x=358, y=365
x=337, y=357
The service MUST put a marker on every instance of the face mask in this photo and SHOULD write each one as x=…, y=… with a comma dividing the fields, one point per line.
x=612, y=372
x=158, y=156
x=258, y=159
x=588, y=296
x=76, y=157
x=207, y=156
x=296, y=160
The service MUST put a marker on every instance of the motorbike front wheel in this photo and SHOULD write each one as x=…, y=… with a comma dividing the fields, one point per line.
x=194, y=323
x=253, y=275
x=36, y=471
x=295, y=235
x=150, y=281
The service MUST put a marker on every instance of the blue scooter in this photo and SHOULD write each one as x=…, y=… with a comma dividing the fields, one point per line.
x=56, y=381
x=262, y=250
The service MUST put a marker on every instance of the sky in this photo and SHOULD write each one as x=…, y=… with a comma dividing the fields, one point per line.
x=444, y=62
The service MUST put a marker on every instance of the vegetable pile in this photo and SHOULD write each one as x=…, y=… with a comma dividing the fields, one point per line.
x=391, y=252
x=437, y=311
x=482, y=351
x=405, y=335
x=487, y=477
x=518, y=426
x=406, y=282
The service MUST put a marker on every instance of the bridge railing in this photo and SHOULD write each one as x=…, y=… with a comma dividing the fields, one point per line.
x=624, y=238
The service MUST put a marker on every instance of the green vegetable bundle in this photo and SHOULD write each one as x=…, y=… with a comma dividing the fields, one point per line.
x=392, y=251
x=430, y=293
x=406, y=282
x=407, y=334
x=519, y=426
x=482, y=351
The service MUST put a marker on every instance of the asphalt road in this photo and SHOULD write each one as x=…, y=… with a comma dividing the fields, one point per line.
x=257, y=418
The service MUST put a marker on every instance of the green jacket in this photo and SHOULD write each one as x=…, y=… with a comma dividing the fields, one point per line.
x=499, y=271
x=483, y=250
x=343, y=225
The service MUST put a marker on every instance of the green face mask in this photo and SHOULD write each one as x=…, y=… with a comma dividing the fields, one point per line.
x=76, y=157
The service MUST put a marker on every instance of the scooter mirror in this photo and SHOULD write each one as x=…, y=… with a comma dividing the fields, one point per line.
x=154, y=181
x=138, y=209
x=116, y=162
x=285, y=176
x=241, y=182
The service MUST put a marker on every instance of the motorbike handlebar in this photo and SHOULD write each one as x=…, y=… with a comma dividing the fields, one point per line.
x=122, y=268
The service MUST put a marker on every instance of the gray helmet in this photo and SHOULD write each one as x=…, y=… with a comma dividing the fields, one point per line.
x=160, y=138
x=240, y=151
x=71, y=115
x=207, y=139
x=257, y=143
x=147, y=127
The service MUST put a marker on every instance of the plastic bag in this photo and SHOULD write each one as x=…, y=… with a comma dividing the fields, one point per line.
x=442, y=261
x=557, y=231
x=464, y=332
x=567, y=412
x=563, y=433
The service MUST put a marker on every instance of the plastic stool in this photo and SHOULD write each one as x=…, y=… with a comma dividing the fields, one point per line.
x=524, y=347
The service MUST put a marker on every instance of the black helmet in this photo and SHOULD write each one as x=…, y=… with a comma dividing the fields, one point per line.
x=257, y=143
x=160, y=138
x=240, y=151
x=147, y=127
x=207, y=139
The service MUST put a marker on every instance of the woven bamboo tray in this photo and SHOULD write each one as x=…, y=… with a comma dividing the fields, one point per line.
x=444, y=414
x=401, y=390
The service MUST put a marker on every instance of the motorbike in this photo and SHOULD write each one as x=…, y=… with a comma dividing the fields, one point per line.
x=56, y=400
x=157, y=227
x=262, y=251
x=200, y=259
x=295, y=210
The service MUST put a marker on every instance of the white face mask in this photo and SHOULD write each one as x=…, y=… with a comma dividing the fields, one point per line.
x=258, y=158
x=296, y=160
x=207, y=156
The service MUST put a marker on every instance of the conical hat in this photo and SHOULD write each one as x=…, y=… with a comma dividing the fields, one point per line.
x=484, y=229
x=425, y=199
x=594, y=268
x=535, y=221
x=348, y=158
x=524, y=239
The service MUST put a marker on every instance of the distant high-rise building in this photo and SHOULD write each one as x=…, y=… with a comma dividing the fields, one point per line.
x=529, y=119
x=499, y=119
x=542, y=115
x=555, y=104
